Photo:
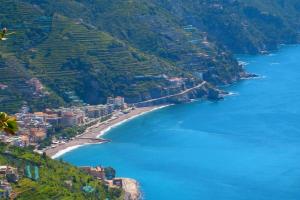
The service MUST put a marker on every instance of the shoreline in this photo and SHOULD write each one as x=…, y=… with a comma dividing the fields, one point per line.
x=94, y=133
x=152, y=108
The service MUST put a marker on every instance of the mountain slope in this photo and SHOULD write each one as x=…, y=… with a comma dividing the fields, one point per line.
x=90, y=49
x=69, y=56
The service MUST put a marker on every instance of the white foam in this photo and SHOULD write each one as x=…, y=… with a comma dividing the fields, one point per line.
x=257, y=77
x=103, y=132
x=232, y=94
x=243, y=63
x=60, y=153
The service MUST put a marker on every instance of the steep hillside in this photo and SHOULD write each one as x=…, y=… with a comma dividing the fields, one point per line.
x=241, y=27
x=86, y=50
x=68, y=56
x=153, y=29
x=52, y=179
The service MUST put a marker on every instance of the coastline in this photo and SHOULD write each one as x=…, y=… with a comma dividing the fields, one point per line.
x=93, y=134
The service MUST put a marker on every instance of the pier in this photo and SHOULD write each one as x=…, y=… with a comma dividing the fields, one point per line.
x=96, y=140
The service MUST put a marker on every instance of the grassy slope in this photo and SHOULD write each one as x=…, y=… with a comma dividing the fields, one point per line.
x=154, y=30
x=70, y=56
x=95, y=48
x=53, y=175
x=14, y=72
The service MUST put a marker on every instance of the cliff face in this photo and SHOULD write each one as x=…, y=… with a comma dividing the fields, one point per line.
x=86, y=50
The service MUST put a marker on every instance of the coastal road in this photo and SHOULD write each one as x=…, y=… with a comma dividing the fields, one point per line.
x=174, y=95
x=92, y=134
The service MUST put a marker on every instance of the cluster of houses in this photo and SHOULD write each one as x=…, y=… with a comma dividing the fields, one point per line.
x=8, y=175
x=33, y=127
x=106, y=175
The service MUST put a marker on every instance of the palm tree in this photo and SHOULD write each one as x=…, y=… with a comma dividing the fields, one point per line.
x=8, y=124
x=4, y=33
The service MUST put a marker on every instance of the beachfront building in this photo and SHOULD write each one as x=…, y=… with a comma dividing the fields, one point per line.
x=99, y=110
x=95, y=111
x=68, y=118
x=117, y=102
x=109, y=109
x=72, y=117
x=97, y=172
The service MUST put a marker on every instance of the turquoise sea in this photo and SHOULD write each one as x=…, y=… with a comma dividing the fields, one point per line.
x=246, y=147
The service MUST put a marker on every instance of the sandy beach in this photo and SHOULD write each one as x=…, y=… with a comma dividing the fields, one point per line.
x=93, y=134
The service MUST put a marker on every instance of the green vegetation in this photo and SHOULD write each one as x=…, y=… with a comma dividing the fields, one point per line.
x=57, y=180
x=8, y=124
x=110, y=173
x=94, y=49
x=88, y=50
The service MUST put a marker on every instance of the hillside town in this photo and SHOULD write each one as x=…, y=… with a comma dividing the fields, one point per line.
x=107, y=175
x=11, y=175
x=35, y=127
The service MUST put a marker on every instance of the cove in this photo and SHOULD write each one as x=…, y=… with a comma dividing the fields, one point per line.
x=246, y=147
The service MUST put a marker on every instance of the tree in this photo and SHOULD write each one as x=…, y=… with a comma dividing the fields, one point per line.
x=110, y=173
x=4, y=33
x=44, y=155
x=8, y=124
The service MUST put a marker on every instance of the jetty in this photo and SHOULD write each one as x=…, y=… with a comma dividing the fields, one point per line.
x=94, y=139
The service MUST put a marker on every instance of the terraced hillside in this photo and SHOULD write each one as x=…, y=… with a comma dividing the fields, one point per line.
x=68, y=56
x=153, y=29
x=241, y=26
x=85, y=50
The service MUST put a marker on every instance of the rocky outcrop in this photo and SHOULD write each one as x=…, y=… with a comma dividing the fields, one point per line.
x=131, y=189
x=249, y=76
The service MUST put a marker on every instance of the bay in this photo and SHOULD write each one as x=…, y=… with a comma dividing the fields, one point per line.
x=246, y=147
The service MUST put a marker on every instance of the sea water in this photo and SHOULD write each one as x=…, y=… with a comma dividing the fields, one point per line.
x=246, y=147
